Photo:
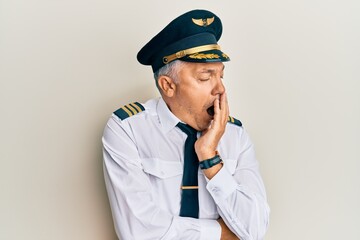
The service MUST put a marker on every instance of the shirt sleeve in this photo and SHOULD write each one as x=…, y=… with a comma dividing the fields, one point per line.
x=240, y=196
x=135, y=214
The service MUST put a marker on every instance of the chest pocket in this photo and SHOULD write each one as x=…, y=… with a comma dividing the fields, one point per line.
x=161, y=168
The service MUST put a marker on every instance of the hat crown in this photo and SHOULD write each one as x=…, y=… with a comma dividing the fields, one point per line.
x=191, y=29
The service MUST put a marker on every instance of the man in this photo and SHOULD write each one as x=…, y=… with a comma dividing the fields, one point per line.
x=179, y=167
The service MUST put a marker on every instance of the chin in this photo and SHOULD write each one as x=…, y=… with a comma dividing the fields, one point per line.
x=205, y=125
x=203, y=121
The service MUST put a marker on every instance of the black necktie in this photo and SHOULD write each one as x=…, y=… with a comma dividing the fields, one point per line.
x=189, y=195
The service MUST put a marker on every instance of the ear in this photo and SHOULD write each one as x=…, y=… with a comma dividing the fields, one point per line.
x=167, y=85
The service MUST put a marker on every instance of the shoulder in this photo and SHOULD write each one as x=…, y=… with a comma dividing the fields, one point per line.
x=129, y=110
x=234, y=121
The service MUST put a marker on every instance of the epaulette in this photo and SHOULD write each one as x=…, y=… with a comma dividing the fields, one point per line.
x=234, y=121
x=129, y=110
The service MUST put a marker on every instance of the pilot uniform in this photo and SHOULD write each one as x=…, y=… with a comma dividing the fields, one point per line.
x=144, y=155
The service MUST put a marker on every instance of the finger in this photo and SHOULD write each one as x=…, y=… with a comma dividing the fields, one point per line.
x=227, y=108
x=223, y=100
x=224, y=107
x=217, y=111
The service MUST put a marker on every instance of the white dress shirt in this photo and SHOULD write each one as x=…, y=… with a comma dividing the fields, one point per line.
x=143, y=166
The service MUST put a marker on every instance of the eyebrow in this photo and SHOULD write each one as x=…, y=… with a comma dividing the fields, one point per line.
x=210, y=70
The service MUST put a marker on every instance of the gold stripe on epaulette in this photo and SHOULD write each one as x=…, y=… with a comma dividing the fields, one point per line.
x=127, y=111
x=231, y=119
x=132, y=109
x=136, y=106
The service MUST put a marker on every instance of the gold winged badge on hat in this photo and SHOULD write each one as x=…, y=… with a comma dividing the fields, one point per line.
x=204, y=22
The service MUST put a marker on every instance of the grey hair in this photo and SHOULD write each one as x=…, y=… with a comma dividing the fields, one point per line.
x=170, y=70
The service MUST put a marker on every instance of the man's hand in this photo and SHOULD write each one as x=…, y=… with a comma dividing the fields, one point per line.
x=226, y=234
x=207, y=143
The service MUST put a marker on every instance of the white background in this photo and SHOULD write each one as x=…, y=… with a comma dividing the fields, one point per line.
x=293, y=81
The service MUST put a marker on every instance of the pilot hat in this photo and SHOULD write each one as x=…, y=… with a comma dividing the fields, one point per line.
x=191, y=37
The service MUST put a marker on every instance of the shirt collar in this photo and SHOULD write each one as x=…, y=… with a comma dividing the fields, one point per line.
x=167, y=119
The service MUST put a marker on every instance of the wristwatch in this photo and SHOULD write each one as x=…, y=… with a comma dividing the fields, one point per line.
x=208, y=163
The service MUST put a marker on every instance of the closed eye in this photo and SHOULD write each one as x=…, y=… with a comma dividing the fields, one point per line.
x=204, y=76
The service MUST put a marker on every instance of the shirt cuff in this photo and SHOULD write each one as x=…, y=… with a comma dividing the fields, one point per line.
x=209, y=229
x=221, y=185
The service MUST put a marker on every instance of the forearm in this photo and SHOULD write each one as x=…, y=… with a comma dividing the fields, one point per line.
x=244, y=211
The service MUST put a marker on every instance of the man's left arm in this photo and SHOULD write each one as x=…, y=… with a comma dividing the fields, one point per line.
x=240, y=197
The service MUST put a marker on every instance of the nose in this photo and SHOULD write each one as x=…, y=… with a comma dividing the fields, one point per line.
x=219, y=88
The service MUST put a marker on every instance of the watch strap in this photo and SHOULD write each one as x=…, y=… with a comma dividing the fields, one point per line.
x=208, y=163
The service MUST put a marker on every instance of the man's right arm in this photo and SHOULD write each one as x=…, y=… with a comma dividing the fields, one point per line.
x=135, y=214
